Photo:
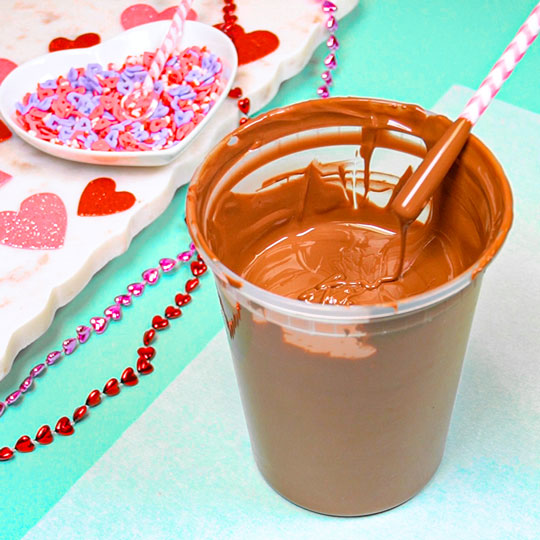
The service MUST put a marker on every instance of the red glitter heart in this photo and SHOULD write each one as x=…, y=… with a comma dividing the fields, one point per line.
x=172, y=312
x=144, y=367
x=143, y=13
x=149, y=336
x=244, y=104
x=44, y=435
x=99, y=198
x=182, y=299
x=159, y=323
x=128, y=377
x=253, y=45
x=111, y=388
x=191, y=284
x=64, y=427
x=80, y=413
x=198, y=268
x=6, y=67
x=25, y=445
x=80, y=42
x=94, y=398
x=5, y=134
x=6, y=453
x=146, y=352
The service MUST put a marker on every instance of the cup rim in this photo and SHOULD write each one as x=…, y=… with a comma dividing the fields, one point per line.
x=338, y=313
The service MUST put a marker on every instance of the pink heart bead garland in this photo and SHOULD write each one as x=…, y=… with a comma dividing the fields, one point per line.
x=36, y=371
x=114, y=312
x=69, y=345
x=167, y=264
x=13, y=397
x=53, y=357
x=83, y=333
x=99, y=324
x=123, y=299
x=151, y=276
x=26, y=384
x=136, y=289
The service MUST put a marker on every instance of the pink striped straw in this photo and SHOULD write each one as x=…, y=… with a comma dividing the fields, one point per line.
x=170, y=42
x=503, y=68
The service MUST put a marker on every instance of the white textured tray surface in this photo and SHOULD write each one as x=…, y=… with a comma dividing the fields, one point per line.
x=34, y=283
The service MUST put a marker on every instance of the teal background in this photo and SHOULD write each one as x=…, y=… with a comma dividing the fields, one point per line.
x=411, y=51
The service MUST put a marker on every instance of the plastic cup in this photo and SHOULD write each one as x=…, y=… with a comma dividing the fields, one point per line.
x=347, y=408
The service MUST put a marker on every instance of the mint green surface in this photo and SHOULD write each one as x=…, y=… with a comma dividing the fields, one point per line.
x=411, y=51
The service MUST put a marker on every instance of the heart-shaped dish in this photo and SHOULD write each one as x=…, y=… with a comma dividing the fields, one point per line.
x=136, y=41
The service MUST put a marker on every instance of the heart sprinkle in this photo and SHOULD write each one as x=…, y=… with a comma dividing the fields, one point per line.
x=87, y=108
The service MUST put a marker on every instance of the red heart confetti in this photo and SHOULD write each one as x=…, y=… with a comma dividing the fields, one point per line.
x=6, y=453
x=94, y=398
x=146, y=352
x=6, y=67
x=64, y=427
x=191, y=284
x=99, y=198
x=5, y=134
x=172, y=312
x=149, y=336
x=159, y=323
x=111, y=388
x=182, y=299
x=143, y=13
x=44, y=435
x=144, y=367
x=25, y=445
x=253, y=45
x=80, y=413
x=128, y=377
x=80, y=42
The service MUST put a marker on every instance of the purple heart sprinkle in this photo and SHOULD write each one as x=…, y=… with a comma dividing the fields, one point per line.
x=36, y=371
x=26, y=384
x=53, y=357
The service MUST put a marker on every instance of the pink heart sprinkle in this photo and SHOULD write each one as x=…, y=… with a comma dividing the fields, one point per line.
x=14, y=397
x=69, y=345
x=114, y=312
x=167, y=264
x=136, y=289
x=83, y=333
x=99, y=324
x=123, y=299
x=36, y=371
x=40, y=223
x=151, y=276
x=53, y=357
x=26, y=384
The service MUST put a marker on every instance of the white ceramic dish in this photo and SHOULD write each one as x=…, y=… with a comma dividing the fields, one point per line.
x=135, y=41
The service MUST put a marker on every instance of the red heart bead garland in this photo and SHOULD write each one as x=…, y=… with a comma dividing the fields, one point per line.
x=65, y=427
x=159, y=323
x=182, y=299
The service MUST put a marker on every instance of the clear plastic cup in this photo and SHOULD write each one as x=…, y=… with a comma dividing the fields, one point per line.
x=347, y=408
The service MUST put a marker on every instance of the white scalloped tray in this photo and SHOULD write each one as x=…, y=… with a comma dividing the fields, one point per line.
x=50, y=278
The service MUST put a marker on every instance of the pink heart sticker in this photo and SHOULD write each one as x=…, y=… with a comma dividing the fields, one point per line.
x=138, y=14
x=40, y=223
x=4, y=178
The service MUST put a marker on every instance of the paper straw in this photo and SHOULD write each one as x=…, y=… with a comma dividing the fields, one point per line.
x=503, y=68
x=168, y=45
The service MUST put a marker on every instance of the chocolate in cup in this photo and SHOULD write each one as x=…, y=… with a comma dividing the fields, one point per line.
x=347, y=406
